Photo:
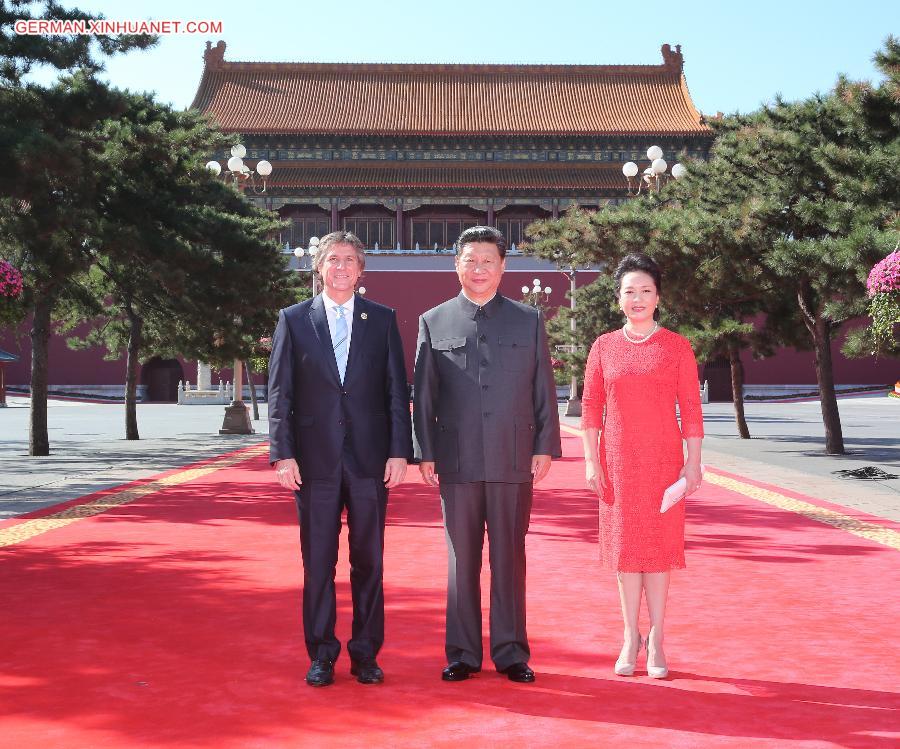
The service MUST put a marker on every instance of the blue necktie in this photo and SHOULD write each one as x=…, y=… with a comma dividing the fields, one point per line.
x=340, y=342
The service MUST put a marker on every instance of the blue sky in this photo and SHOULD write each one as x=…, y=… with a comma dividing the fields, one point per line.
x=737, y=55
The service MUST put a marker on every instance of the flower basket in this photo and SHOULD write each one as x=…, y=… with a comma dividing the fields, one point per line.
x=259, y=359
x=883, y=287
x=11, y=287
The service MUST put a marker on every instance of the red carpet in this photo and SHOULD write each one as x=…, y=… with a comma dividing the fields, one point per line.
x=173, y=621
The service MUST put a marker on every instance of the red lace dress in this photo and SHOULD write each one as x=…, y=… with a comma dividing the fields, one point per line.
x=641, y=450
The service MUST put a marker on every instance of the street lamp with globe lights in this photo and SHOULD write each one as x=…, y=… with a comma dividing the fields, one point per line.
x=654, y=176
x=310, y=251
x=533, y=294
x=241, y=175
x=237, y=420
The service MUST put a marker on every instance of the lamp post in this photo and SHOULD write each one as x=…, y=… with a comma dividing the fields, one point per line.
x=310, y=252
x=237, y=418
x=573, y=405
x=654, y=176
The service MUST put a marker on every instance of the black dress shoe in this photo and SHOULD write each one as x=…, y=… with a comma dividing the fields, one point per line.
x=321, y=673
x=366, y=671
x=459, y=671
x=518, y=672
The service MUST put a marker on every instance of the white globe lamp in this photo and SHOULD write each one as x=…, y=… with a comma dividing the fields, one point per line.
x=630, y=169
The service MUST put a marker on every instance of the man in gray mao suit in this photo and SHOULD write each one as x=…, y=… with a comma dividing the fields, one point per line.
x=486, y=425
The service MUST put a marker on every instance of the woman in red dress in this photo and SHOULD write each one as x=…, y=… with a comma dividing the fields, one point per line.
x=633, y=450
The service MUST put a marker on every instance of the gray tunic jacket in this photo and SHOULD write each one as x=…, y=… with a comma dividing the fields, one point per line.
x=484, y=400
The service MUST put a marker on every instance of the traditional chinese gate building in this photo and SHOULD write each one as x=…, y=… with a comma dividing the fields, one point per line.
x=407, y=156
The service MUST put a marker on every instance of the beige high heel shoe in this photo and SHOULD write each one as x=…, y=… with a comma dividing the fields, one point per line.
x=626, y=668
x=655, y=672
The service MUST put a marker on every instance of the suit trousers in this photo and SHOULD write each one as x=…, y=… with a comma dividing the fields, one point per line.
x=506, y=510
x=321, y=503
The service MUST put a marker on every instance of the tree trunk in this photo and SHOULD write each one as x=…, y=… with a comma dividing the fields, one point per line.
x=38, y=439
x=820, y=330
x=737, y=390
x=834, y=437
x=135, y=339
x=253, y=399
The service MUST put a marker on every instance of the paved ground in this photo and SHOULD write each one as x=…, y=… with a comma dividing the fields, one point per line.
x=787, y=449
x=89, y=452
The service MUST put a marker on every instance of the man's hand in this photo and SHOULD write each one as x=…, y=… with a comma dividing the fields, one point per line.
x=394, y=472
x=288, y=473
x=540, y=464
x=426, y=468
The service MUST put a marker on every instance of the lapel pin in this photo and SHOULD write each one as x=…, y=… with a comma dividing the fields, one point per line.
x=364, y=316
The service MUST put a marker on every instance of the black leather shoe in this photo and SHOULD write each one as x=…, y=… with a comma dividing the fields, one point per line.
x=366, y=671
x=518, y=672
x=321, y=673
x=458, y=671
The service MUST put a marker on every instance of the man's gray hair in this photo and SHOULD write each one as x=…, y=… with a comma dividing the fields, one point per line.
x=340, y=237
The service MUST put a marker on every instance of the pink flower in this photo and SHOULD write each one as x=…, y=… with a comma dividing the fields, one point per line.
x=884, y=278
x=11, y=281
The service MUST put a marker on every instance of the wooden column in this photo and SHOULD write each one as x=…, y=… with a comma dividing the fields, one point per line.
x=335, y=217
x=555, y=209
x=399, y=228
x=490, y=215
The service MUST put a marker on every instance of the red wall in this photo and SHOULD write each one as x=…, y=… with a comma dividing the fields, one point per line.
x=791, y=367
x=67, y=367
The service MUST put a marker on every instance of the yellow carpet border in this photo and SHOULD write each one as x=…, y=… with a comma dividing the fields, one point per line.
x=864, y=529
x=35, y=527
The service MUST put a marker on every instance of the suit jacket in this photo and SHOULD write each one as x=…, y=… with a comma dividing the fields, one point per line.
x=311, y=414
x=485, y=400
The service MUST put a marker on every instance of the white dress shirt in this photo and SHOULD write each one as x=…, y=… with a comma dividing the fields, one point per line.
x=331, y=313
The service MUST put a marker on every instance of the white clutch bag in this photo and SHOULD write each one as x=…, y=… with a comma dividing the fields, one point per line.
x=676, y=492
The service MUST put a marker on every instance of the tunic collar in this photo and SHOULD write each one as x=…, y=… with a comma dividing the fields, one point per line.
x=470, y=309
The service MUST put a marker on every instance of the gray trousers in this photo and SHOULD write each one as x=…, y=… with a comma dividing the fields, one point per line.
x=506, y=510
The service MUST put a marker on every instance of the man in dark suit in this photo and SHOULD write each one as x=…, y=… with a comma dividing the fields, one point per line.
x=340, y=436
x=486, y=423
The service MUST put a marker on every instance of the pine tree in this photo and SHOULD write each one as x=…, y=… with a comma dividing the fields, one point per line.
x=47, y=185
x=181, y=264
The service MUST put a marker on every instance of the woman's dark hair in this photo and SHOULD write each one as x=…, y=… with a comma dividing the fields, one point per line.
x=638, y=261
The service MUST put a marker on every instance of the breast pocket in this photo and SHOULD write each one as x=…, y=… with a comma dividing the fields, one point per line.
x=451, y=351
x=514, y=353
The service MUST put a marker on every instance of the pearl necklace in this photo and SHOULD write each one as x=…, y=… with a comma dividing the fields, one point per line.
x=642, y=339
